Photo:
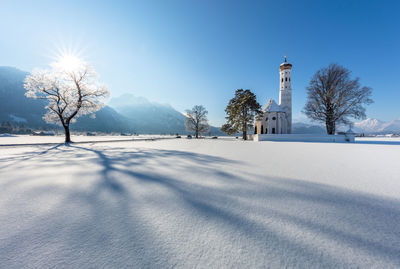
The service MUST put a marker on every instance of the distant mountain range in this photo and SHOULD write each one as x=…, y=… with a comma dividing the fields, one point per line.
x=131, y=114
x=143, y=116
x=368, y=126
x=126, y=113
x=375, y=126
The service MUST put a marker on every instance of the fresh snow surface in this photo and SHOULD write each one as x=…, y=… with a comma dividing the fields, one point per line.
x=205, y=203
x=29, y=139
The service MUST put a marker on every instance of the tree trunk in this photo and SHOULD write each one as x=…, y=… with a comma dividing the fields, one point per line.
x=244, y=131
x=330, y=121
x=67, y=134
x=330, y=126
x=244, y=135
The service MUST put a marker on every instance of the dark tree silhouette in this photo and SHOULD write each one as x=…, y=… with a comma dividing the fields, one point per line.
x=196, y=120
x=241, y=111
x=334, y=97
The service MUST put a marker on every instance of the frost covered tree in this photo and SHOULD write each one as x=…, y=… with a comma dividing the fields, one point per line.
x=334, y=97
x=71, y=89
x=196, y=120
x=241, y=111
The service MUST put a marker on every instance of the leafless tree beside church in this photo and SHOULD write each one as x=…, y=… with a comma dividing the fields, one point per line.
x=334, y=97
x=196, y=120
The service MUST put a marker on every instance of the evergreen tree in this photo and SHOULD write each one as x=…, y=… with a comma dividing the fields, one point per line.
x=241, y=111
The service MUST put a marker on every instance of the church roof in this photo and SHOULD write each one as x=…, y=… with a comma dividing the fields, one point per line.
x=272, y=106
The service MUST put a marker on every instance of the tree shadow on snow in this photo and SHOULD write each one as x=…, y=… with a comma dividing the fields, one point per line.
x=377, y=142
x=314, y=218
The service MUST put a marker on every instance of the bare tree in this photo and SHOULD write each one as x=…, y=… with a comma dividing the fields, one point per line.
x=241, y=112
x=334, y=98
x=71, y=89
x=196, y=120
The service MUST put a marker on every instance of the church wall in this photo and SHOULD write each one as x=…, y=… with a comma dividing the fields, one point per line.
x=267, y=123
x=346, y=138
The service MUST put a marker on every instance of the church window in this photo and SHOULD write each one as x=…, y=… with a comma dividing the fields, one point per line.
x=255, y=130
x=285, y=79
x=273, y=130
x=262, y=129
x=282, y=79
x=273, y=118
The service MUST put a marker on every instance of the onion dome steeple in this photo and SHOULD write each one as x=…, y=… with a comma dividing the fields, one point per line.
x=285, y=65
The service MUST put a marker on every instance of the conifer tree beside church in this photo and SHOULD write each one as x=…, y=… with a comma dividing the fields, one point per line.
x=241, y=112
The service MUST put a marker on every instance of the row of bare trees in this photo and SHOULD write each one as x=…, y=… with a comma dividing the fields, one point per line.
x=71, y=89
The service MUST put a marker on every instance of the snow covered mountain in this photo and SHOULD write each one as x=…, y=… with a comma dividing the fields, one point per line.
x=376, y=126
x=368, y=126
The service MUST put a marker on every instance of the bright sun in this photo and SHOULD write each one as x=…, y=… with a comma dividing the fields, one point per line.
x=68, y=62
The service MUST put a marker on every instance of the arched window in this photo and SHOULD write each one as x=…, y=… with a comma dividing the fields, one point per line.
x=255, y=129
x=282, y=79
x=285, y=79
x=262, y=129
x=273, y=118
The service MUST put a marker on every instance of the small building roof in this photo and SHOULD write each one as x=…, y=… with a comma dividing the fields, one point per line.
x=272, y=106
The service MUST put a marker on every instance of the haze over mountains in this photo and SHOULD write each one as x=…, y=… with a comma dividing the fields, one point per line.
x=126, y=113
x=129, y=113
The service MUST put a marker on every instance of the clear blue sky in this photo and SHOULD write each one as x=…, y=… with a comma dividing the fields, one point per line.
x=198, y=52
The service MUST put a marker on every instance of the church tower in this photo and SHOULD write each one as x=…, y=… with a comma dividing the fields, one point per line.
x=285, y=92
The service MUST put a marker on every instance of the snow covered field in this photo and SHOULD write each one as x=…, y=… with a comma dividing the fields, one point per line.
x=7, y=139
x=200, y=204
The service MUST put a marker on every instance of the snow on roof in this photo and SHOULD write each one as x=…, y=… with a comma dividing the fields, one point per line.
x=272, y=106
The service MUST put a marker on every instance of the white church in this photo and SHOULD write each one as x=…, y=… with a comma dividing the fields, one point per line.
x=277, y=119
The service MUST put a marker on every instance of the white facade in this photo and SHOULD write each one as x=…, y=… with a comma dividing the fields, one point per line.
x=273, y=120
x=285, y=92
x=277, y=119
